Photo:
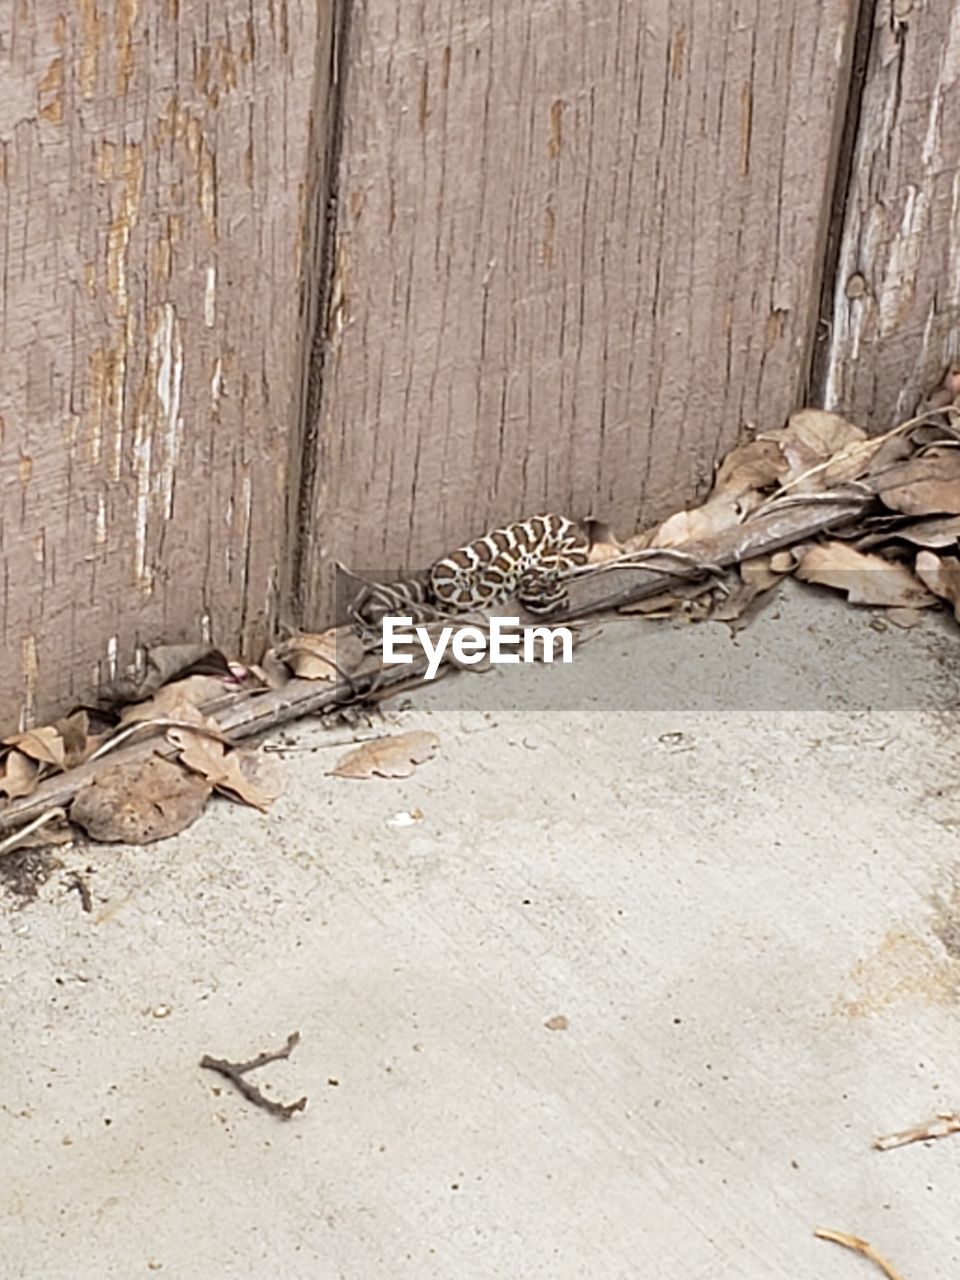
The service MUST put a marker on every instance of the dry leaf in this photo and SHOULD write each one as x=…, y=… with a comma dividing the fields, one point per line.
x=751, y=593
x=226, y=770
x=783, y=562
x=946, y=394
x=760, y=573
x=56, y=832
x=43, y=745
x=893, y=449
x=180, y=700
x=604, y=543
x=867, y=579
x=390, y=757
x=327, y=656
x=929, y=435
x=813, y=437
x=701, y=523
x=19, y=775
x=663, y=605
x=823, y=451
x=926, y=485
x=750, y=467
x=692, y=600
x=942, y=575
x=161, y=665
x=936, y=532
x=640, y=541
x=79, y=738
x=138, y=801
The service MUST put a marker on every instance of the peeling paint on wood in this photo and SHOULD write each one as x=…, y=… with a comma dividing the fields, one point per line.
x=892, y=334
x=92, y=37
x=151, y=369
x=126, y=12
x=210, y=298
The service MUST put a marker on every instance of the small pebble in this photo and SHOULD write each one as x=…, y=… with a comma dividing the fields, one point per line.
x=405, y=819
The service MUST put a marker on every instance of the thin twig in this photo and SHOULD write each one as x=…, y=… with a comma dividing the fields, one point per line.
x=155, y=722
x=853, y=489
x=859, y=1246
x=235, y=1072
x=78, y=884
x=14, y=842
x=867, y=446
x=756, y=536
x=946, y=1123
x=680, y=563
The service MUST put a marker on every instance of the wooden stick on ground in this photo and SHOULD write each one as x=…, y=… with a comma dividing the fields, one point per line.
x=946, y=1123
x=859, y=1246
x=768, y=533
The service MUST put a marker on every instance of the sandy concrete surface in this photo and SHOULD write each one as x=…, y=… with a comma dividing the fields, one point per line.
x=730, y=864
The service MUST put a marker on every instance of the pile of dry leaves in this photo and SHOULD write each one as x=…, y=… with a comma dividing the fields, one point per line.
x=142, y=766
x=877, y=518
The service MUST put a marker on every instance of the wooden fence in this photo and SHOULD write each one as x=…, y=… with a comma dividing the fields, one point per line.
x=292, y=281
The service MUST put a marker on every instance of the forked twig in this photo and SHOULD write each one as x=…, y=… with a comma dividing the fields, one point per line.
x=236, y=1071
x=859, y=1246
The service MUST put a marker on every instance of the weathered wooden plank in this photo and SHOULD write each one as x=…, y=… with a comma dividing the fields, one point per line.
x=154, y=165
x=577, y=249
x=896, y=300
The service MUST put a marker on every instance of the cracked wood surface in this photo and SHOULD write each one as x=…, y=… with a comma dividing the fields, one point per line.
x=896, y=298
x=578, y=248
x=154, y=162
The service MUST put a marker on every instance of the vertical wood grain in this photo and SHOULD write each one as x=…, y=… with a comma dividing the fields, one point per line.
x=894, y=319
x=154, y=163
x=577, y=251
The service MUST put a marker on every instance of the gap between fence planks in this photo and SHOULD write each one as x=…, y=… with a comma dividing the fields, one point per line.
x=264, y=711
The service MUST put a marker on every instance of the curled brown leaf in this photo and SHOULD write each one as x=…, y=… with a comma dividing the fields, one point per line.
x=942, y=575
x=44, y=745
x=234, y=772
x=389, y=757
x=700, y=524
x=821, y=449
x=755, y=466
x=928, y=484
x=329, y=655
x=20, y=775
x=866, y=579
x=138, y=801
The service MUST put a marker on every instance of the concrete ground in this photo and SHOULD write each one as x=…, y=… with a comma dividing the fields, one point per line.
x=730, y=864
